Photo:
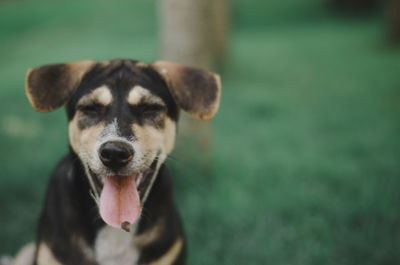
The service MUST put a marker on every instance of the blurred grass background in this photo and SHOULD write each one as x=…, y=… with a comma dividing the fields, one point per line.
x=305, y=148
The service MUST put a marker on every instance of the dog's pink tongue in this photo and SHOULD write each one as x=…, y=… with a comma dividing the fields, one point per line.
x=119, y=201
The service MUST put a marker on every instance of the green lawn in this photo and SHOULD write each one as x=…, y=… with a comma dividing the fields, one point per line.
x=305, y=159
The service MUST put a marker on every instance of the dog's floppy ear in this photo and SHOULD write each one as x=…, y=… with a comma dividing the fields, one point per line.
x=50, y=86
x=195, y=90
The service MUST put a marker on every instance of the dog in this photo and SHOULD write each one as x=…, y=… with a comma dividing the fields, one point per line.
x=109, y=200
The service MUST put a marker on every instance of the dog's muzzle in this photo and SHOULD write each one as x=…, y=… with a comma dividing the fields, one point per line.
x=120, y=193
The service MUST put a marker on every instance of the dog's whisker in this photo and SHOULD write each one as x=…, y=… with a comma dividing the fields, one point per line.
x=95, y=197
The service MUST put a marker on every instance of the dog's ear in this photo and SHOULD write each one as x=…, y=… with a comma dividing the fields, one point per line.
x=49, y=87
x=195, y=90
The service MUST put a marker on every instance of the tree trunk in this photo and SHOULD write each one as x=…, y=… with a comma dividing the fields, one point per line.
x=185, y=28
x=356, y=7
x=194, y=32
x=394, y=20
x=221, y=28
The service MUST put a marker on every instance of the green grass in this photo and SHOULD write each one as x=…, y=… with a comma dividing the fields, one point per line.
x=305, y=152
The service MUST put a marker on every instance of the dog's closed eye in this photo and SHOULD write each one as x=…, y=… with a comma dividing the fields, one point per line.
x=93, y=109
x=148, y=109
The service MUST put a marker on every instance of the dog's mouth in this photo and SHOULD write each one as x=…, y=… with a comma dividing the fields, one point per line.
x=121, y=196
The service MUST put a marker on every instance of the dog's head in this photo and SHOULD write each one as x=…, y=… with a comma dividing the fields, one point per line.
x=122, y=121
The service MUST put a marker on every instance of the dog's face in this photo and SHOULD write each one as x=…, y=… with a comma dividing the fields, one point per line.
x=122, y=121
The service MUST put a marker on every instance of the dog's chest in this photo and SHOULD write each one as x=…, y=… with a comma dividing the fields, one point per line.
x=115, y=246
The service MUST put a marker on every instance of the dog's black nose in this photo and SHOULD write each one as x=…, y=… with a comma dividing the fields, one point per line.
x=115, y=154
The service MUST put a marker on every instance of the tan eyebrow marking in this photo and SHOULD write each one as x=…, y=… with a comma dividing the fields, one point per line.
x=139, y=94
x=100, y=95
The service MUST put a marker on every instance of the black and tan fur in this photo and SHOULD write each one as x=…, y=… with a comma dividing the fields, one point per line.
x=136, y=105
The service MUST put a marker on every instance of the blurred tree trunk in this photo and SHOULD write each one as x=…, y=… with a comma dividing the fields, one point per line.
x=356, y=7
x=194, y=32
x=221, y=28
x=394, y=20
